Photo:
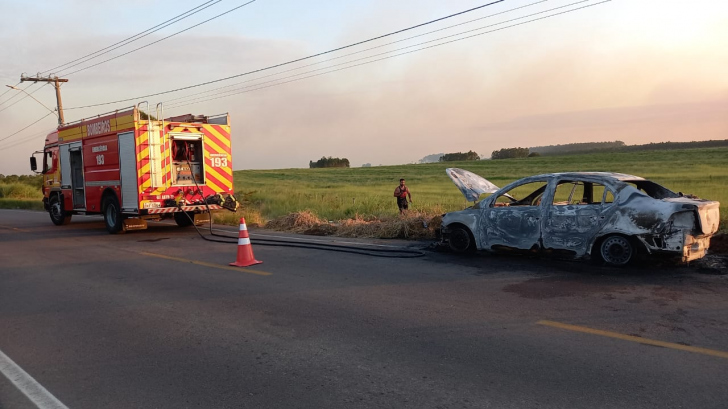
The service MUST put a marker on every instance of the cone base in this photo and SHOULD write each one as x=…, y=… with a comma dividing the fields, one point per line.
x=246, y=263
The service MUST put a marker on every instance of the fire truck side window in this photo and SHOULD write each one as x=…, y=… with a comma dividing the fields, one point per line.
x=47, y=161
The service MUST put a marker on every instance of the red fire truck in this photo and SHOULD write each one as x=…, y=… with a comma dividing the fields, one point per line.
x=131, y=168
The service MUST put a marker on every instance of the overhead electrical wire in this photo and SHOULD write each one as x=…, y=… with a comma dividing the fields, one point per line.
x=16, y=94
x=25, y=95
x=26, y=127
x=26, y=139
x=157, y=41
x=205, y=99
x=136, y=37
x=361, y=51
x=8, y=90
x=291, y=61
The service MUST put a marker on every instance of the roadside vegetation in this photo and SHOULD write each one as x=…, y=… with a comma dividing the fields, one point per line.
x=21, y=192
x=359, y=202
x=364, y=195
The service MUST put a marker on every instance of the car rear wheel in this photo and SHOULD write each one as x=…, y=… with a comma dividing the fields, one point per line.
x=616, y=250
x=461, y=240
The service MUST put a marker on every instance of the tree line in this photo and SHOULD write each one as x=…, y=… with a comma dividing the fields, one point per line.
x=329, y=162
x=33, y=180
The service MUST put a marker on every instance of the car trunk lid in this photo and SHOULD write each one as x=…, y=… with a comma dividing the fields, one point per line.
x=708, y=212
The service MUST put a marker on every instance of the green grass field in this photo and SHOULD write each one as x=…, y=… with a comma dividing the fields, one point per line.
x=337, y=193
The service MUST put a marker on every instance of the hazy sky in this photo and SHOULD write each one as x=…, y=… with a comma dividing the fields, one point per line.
x=634, y=70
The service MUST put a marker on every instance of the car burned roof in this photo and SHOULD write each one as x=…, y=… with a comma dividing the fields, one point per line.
x=622, y=177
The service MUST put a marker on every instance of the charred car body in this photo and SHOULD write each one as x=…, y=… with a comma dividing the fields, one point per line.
x=607, y=216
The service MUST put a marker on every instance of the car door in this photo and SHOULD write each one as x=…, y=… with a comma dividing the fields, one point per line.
x=574, y=215
x=512, y=219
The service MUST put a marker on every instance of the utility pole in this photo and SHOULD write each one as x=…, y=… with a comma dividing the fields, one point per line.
x=57, y=84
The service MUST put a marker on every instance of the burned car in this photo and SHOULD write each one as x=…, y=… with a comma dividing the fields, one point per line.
x=599, y=215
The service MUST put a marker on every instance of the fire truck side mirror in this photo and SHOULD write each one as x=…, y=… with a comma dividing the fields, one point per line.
x=33, y=164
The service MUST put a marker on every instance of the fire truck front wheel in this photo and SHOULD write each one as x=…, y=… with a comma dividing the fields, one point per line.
x=55, y=209
x=112, y=215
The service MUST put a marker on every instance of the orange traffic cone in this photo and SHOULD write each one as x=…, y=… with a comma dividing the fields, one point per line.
x=245, y=250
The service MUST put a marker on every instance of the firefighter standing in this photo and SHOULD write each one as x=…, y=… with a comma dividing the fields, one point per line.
x=402, y=193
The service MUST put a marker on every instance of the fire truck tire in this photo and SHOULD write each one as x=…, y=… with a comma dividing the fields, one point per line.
x=112, y=215
x=182, y=219
x=59, y=217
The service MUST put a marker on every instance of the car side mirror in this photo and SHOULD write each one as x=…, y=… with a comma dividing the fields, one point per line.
x=33, y=164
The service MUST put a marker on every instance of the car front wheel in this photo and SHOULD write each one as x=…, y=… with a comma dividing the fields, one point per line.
x=616, y=250
x=461, y=240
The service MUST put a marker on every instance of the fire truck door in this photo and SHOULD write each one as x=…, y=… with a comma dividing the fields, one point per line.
x=76, y=161
x=128, y=171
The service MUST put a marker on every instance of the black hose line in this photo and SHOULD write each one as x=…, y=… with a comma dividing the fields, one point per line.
x=386, y=253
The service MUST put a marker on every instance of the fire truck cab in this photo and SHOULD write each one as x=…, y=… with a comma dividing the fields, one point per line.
x=132, y=167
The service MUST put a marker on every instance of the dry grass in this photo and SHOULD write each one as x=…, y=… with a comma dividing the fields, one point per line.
x=296, y=222
x=411, y=226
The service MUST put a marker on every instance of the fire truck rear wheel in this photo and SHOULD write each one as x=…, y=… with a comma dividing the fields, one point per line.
x=183, y=219
x=55, y=208
x=112, y=215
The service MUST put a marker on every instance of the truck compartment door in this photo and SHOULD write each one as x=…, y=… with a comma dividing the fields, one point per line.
x=128, y=172
x=65, y=159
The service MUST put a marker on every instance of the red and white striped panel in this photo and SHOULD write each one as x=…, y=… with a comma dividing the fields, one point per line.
x=185, y=208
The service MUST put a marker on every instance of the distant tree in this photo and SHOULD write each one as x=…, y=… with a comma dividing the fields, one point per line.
x=510, y=153
x=435, y=157
x=534, y=154
x=366, y=165
x=329, y=162
x=459, y=156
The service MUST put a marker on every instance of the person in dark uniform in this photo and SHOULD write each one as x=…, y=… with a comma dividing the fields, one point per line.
x=402, y=193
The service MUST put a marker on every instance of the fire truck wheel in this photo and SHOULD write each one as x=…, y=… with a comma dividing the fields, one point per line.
x=112, y=215
x=55, y=209
x=183, y=219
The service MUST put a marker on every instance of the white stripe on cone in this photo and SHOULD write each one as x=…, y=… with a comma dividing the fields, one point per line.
x=242, y=241
x=243, y=227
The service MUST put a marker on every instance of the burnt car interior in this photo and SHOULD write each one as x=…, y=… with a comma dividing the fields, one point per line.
x=652, y=189
x=568, y=192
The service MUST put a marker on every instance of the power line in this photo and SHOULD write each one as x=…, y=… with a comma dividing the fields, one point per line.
x=16, y=94
x=21, y=130
x=25, y=140
x=391, y=56
x=25, y=95
x=161, y=39
x=292, y=61
x=135, y=37
x=9, y=89
x=369, y=49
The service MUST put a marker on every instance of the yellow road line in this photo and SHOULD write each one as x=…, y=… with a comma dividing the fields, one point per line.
x=625, y=337
x=202, y=263
x=13, y=228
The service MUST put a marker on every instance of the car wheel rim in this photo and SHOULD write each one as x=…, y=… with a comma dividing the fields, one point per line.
x=460, y=239
x=616, y=250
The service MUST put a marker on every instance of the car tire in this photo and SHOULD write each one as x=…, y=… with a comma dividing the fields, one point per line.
x=616, y=250
x=112, y=215
x=461, y=240
x=183, y=219
x=59, y=216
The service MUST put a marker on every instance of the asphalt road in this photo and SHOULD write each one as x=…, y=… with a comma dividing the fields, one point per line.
x=156, y=319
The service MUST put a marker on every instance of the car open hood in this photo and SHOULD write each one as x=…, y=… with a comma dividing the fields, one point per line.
x=470, y=184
